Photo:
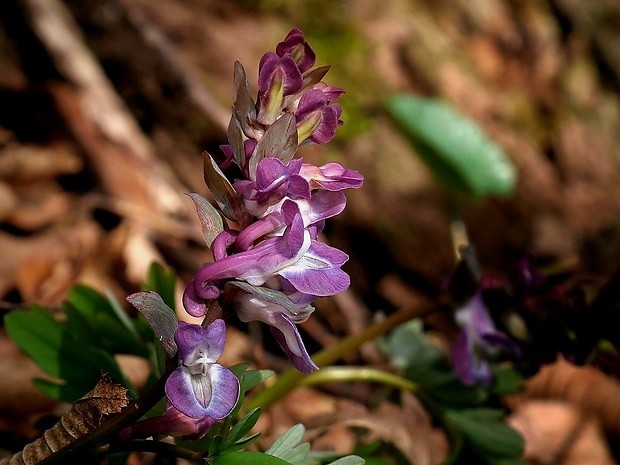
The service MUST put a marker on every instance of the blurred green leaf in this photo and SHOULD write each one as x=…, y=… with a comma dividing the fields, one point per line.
x=452, y=392
x=410, y=351
x=163, y=282
x=349, y=460
x=456, y=150
x=507, y=380
x=486, y=433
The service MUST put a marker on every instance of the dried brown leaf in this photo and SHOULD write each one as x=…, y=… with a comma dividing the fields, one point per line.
x=408, y=427
x=558, y=432
x=86, y=414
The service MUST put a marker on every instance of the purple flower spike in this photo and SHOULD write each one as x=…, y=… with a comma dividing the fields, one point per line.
x=477, y=343
x=301, y=51
x=200, y=387
x=277, y=78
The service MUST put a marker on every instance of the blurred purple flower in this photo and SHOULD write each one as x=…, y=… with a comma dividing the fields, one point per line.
x=478, y=343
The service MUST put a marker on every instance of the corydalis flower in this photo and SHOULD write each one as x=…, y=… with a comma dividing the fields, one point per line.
x=274, y=265
x=200, y=387
x=478, y=343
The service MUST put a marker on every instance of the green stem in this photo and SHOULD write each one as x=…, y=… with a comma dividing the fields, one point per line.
x=104, y=433
x=291, y=378
x=364, y=374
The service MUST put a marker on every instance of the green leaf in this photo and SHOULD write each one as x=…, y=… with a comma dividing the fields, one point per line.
x=58, y=353
x=486, y=433
x=253, y=378
x=112, y=324
x=409, y=349
x=453, y=392
x=288, y=446
x=240, y=429
x=247, y=458
x=349, y=460
x=456, y=150
x=507, y=380
x=163, y=282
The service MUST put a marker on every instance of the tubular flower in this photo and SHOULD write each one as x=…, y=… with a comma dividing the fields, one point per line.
x=273, y=266
x=283, y=326
x=171, y=423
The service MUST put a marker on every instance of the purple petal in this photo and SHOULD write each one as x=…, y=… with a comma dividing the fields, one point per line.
x=322, y=205
x=181, y=395
x=301, y=51
x=299, y=357
x=277, y=78
x=253, y=308
x=468, y=366
x=224, y=392
x=318, y=271
x=316, y=119
x=331, y=93
x=331, y=176
x=191, y=338
x=193, y=304
x=197, y=396
x=259, y=264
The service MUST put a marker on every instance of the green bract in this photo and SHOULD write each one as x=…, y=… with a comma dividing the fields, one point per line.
x=460, y=156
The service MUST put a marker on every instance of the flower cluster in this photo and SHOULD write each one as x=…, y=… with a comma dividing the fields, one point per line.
x=272, y=265
x=269, y=263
